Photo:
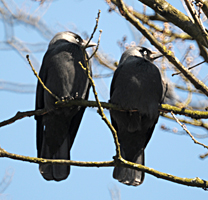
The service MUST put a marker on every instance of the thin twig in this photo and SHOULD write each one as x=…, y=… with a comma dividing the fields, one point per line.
x=186, y=53
x=103, y=61
x=193, y=122
x=95, y=28
x=101, y=113
x=187, y=131
x=186, y=89
x=190, y=68
x=36, y=74
x=196, y=17
x=203, y=156
x=100, y=109
x=98, y=43
x=204, y=6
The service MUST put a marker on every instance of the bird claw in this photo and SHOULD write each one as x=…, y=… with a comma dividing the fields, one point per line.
x=67, y=98
x=77, y=97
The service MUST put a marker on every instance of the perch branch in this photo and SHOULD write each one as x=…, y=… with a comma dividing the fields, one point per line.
x=78, y=102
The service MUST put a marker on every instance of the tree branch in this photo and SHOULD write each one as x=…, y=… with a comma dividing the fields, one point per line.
x=194, y=122
x=80, y=102
x=4, y=153
x=195, y=182
x=101, y=113
x=146, y=19
x=39, y=79
x=204, y=7
x=177, y=18
x=195, y=16
x=187, y=131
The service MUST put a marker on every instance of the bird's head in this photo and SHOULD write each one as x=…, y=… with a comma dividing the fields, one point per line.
x=140, y=52
x=72, y=38
x=147, y=54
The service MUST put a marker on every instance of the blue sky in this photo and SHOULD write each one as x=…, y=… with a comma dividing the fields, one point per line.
x=166, y=152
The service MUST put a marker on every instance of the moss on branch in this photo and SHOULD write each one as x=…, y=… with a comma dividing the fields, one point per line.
x=79, y=102
x=178, y=18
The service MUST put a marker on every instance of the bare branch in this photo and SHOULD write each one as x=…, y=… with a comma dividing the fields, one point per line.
x=204, y=6
x=98, y=43
x=103, y=61
x=203, y=156
x=147, y=20
x=77, y=102
x=39, y=79
x=175, y=16
x=190, y=68
x=195, y=16
x=4, y=153
x=21, y=115
x=95, y=28
x=101, y=113
x=193, y=122
x=195, y=182
x=187, y=131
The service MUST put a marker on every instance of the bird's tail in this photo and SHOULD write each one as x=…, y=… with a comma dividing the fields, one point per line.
x=55, y=172
x=130, y=176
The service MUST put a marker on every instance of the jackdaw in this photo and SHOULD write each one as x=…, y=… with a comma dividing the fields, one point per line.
x=63, y=75
x=136, y=86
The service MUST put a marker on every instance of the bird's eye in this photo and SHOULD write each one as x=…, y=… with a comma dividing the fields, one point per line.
x=77, y=39
x=145, y=53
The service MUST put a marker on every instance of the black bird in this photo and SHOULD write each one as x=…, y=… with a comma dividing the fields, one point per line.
x=63, y=75
x=136, y=85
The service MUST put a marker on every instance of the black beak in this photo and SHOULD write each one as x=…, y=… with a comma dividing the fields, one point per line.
x=91, y=44
x=155, y=55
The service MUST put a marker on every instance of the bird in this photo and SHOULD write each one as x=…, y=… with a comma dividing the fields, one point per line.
x=136, y=86
x=64, y=76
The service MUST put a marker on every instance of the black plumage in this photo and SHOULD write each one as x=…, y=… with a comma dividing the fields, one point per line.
x=136, y=85
x=63, y=75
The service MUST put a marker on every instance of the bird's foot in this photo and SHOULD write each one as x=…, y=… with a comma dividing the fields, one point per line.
x=77, y=96
x=67, y=98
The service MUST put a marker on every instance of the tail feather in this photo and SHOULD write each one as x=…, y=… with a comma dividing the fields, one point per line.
x=55, y=171
x=130, y=176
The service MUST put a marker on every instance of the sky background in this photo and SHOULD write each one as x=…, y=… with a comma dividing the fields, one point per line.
x=166, y=152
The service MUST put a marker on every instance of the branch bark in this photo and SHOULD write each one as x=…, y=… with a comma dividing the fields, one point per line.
x=77, y=102
x=179, y=19
x=194, y=182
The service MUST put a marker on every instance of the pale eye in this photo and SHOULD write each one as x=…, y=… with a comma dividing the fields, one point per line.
x=145, y=53
x=77, y=39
